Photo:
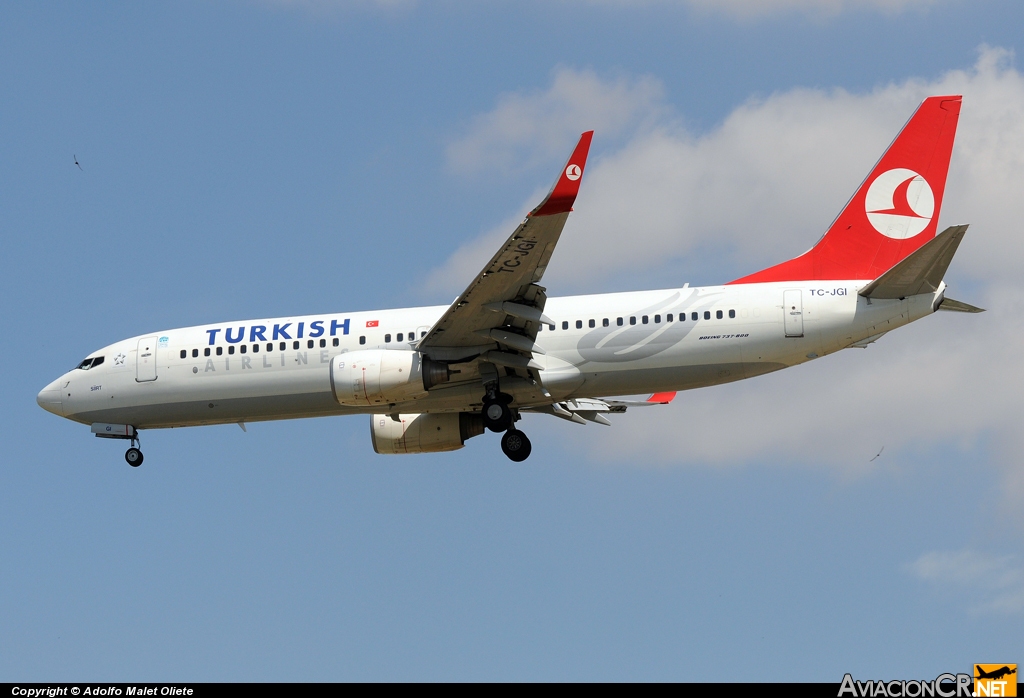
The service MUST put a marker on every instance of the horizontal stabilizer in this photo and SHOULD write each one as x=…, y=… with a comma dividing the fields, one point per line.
x=921, y=271
x=958, y=306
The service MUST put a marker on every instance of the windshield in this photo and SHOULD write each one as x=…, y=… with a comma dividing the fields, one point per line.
x=91, y=362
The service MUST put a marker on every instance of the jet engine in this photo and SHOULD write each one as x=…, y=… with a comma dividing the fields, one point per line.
x=377, y=377
x=423, y=433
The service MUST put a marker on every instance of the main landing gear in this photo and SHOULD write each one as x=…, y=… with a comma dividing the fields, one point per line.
x=496, y=413
x=515, y=445
x=498, y=417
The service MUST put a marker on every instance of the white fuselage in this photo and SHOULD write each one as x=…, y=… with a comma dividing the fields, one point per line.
x=200, y=375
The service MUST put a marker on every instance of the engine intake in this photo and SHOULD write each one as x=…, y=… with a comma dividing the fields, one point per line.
x=423, y=433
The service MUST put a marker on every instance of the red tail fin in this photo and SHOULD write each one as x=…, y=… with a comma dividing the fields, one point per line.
x=895, y=210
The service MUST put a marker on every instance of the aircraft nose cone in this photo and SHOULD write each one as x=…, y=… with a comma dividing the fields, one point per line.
x=49, y=399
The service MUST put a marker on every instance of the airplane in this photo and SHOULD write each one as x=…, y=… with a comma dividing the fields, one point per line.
x=996, y=674
x=432, y=377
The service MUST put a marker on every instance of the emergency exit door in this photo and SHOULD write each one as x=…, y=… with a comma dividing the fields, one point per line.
x=145, y=360
x=793, y=312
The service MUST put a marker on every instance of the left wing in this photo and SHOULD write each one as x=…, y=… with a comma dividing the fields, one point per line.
x=583, y=410
x=500, y=310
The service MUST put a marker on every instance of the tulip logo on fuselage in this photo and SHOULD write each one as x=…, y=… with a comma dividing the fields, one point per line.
x=899, y=203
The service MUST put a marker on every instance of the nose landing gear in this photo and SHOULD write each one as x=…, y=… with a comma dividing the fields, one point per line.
x=133, y=456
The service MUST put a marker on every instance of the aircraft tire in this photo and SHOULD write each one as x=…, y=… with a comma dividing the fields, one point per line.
x=516, y=445
x=497, y=416
x=134, y=457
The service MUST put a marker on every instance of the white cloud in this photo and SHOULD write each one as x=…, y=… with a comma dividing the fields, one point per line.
x=523, y=129
x=739, y=9
x=746, y=9
x=994, y=583
x=762, y=187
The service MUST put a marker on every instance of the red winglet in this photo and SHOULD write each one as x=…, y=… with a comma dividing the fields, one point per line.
x=662, y=398
x=563, y=194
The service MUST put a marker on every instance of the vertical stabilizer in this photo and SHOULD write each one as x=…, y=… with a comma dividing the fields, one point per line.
x=894, y=212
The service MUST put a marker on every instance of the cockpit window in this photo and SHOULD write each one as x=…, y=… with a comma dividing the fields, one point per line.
x=91, y=362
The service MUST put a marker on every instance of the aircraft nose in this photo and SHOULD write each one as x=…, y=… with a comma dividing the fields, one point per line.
x=49, y=398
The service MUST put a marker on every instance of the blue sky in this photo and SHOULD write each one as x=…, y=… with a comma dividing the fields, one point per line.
x=252, y=159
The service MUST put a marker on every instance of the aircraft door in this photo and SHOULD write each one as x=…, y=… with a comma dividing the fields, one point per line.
x=421, y=332
x=793, y=312
x=145, y=360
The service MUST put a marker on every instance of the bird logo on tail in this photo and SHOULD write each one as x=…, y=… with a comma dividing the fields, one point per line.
x=899, y=203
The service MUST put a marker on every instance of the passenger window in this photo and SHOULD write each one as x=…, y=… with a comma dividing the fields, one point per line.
x=707, y=314
x=231, y=349
x=632, y=320
x=183, y=354
x=362, y=339
x=195, y=353
x=657, y=318
x=255, y=348
x=579, y=324
x=206, y=351
x=424, y=333
x=618, y=321
x=335, y=342
x=241, y=349
x=565, y=324
x=270, y=346
x=399, y=337
x=693, y=316
x=732, y=313
x=591, y=323
x=309, y=344
x=604, y=322
x=387, y=338
x=718, y=314
x=668, y=318
x=644, y=319
x=323, y=343
x=295, y=345
x=220, y=350
x=551, y=327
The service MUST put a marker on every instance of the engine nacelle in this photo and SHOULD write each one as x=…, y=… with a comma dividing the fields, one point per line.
x=423, y=433
x=377, y=377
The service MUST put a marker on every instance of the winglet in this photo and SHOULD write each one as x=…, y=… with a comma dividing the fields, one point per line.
x=662, y=398
x=561, y=197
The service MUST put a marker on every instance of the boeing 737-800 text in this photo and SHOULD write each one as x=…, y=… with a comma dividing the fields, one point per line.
x=432, y=377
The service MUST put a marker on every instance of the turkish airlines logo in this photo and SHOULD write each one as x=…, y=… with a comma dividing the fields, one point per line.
x=573, y=172
x=899, y=203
